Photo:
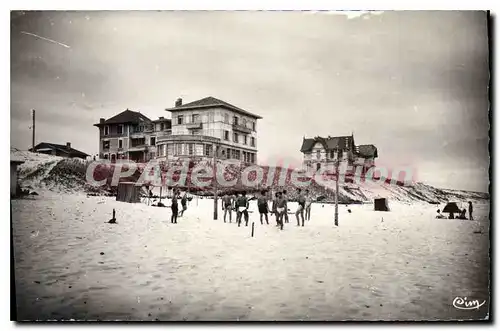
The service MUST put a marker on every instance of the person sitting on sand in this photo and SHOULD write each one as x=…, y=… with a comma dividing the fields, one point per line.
x=262, y=206
x=439, y=215
x=462, y=215
x=242, y=208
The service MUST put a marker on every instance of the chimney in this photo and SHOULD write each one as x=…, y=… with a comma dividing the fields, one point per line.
x=178, y=102
x=68, y=145
x=162, y=118
x=101, y=120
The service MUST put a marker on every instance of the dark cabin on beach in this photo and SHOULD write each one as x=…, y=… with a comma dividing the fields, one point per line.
x=58, y=150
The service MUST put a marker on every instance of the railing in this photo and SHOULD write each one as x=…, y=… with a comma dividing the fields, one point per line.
x=138, y=148
x=187, y=138
x=196, y=125
x=241, y=128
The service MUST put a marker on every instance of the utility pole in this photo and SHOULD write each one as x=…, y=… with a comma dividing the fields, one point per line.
x=337, y=190
x=214, y=152
x=33, y=133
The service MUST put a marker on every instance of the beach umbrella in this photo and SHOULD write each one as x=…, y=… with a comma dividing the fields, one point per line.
x=451, y=207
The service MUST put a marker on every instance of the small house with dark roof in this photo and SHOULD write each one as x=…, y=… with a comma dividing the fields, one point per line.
x=58, y=150
x=131, y=135
x=323, y=152
x=200, y=125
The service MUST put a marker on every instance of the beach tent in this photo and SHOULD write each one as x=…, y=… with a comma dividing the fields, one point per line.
x=451, y=207
x=381, y=204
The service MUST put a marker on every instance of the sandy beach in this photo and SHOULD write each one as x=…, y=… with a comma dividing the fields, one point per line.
x=397, y=265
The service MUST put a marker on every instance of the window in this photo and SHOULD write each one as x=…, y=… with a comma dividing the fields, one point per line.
x=105, y=144
x=162, y=126
x=235, y=137
x=226, y=118
x=340, y=155
x=196, y=118
x=106, y=130
x=120, y=143
x=332, y=155
x=318, y=154
x=152, y=141
x=244, y=122
x=190, y=149
x=252, y=141
x=226, y=135
x=253, y=126
x=106, y=156
x=119, y=130
x=208, y=150
x=179, y=119
x=245, y=140
x=235, y=120
x=179, y=149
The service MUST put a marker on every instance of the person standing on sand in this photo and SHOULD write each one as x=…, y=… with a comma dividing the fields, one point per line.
x=262, y=206
x=175, y=207
x=183, y=204
x=470, y=210
x=227, y=203
x=242, y=208
x=308, y=205
x=284, y=196
x=300, y=210
x=281, y=209
x=274, y=208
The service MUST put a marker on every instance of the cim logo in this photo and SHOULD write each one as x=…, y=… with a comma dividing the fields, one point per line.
x=463, y=303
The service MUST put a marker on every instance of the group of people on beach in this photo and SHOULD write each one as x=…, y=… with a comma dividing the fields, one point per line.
x=279, y=207
x=461, y=215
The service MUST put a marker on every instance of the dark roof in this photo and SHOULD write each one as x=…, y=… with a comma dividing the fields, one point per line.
x=212, y=102
x=307, y=144
x=126, y=116
x=367, y=150
x=62, y=148
x=162, y=120
x=343, y=142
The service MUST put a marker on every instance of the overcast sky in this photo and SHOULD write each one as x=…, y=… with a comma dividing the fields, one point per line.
x=415, y=84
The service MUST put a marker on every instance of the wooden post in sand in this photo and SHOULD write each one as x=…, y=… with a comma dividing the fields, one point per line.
x=253, y=224
x=160, y=193
x=214, y=150
x=337, y=191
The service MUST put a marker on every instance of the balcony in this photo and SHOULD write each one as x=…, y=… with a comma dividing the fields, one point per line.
x=181, y=138
x=241, y=128
x=194, y=126
x=138, y=148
